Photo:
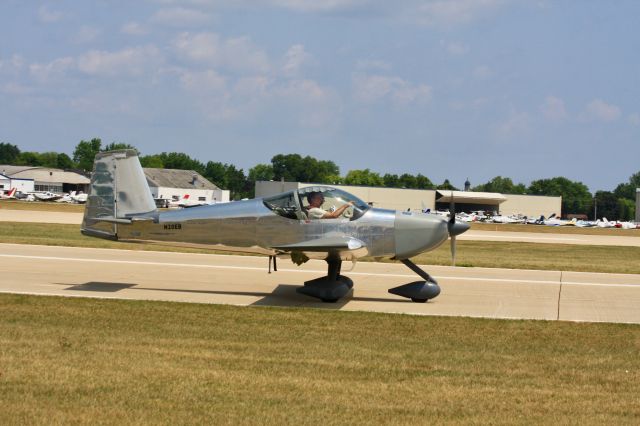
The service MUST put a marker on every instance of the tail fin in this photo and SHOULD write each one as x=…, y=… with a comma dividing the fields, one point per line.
x=12, y=193
x=118, y=192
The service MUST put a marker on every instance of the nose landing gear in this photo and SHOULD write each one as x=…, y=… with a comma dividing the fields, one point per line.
x=417, y=291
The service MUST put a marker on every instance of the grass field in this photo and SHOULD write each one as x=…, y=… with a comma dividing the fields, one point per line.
x=479, y=226
x=487, y=254
x=71, y=361
x=42, y=206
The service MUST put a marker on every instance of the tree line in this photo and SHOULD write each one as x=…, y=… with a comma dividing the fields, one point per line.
x=576, y=198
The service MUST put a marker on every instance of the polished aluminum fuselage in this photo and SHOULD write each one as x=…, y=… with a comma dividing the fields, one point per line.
x=249, y=226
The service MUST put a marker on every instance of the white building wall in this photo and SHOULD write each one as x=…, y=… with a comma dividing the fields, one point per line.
x=5, y=183
x=179, y=193
x=391, y=198
x=266, y=188
x=23, y=185
x=531, y=205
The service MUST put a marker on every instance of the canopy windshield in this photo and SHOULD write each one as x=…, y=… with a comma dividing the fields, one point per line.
x=333, y=199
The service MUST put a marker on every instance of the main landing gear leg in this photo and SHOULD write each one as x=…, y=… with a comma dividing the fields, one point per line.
x=330, y=288
x=417, y=291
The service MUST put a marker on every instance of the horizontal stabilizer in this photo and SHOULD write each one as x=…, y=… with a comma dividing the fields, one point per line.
x=324, y=244
x=123, y=220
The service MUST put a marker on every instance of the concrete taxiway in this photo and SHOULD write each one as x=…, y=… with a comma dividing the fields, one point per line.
x=243, y=280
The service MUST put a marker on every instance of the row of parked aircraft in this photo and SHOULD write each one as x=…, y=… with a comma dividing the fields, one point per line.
x=72, y=197
x=552, y=220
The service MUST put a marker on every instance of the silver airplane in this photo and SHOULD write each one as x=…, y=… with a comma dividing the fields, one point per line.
x=120, y=207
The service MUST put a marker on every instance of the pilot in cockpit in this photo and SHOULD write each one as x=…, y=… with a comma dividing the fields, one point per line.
x=315, y=210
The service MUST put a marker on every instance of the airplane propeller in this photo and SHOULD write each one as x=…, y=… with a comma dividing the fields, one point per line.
x=450, y=226
x=455, y=228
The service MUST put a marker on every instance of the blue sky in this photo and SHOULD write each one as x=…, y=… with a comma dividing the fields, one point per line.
x=450, y=89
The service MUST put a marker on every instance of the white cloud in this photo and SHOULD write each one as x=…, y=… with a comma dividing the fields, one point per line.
x=452, y=12
x=634, y=119
x=305, y=91
x=320, y=6
x=129, y=61
x=15, y=89
x=294, y=59
x=455, y=48
x=603, y=111
x=482, y=72
x=133, y=61
x=87, y=34
x=203, y=81
x=133, y=28
x=12, y=65
x=516, y=124
x=48, y=16
x=180, y=17
x=236, y=53
x=373, y=88
x=367, y=64
x=53, y=70
x=553, y=109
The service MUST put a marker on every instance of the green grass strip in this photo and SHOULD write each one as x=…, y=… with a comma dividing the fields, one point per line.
x=83, y=361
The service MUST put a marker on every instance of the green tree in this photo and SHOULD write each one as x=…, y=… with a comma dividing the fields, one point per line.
x=113, y=146
x=423, y=182
x=606, y=205
x=295, y=168
x=363, y=177
x=63, y=161
x=29, y=158
x=391, y=181
x=48, y=159
x=628, y=190
x=576, y=197
x=261, y=172
x=152, y=161
x=626, y=209
x=237, y=182
x=216, y=173
x=447, y=186
x=85, y=152
x=227, y=176
x=181, y=161
x=502, y=185
x=407, y=181
x=9, y=154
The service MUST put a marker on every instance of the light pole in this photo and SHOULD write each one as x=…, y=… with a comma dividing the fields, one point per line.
x=595, y=208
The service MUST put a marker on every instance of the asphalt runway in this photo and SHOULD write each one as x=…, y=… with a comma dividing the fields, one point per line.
x=243, y=280
x=7, y=215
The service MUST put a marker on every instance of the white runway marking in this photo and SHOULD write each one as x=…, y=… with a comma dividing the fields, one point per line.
x=313, y=271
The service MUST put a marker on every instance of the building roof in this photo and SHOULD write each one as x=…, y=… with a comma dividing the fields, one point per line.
x=44, y=174
x=172, y=178
x=444, y=196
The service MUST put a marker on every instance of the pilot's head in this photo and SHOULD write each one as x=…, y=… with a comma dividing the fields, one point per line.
x=315, y=198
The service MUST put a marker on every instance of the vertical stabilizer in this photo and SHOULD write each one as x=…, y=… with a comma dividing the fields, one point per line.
x=118, y=192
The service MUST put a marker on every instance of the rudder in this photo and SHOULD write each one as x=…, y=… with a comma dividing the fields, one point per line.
x=117, y=193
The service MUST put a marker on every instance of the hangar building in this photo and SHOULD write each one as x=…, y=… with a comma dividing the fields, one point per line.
x=173, y=185
x=46, y=179
x=419, y=199
x=23, y=185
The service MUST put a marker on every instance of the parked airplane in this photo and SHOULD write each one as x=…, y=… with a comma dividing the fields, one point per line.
x=9, y=194
x=46, y=196
x=187, y=202
x=120, y=207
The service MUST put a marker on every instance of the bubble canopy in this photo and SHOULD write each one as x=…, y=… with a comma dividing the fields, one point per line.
x=295, y=204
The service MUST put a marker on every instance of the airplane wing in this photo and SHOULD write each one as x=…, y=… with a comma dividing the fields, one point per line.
x=325, y=244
